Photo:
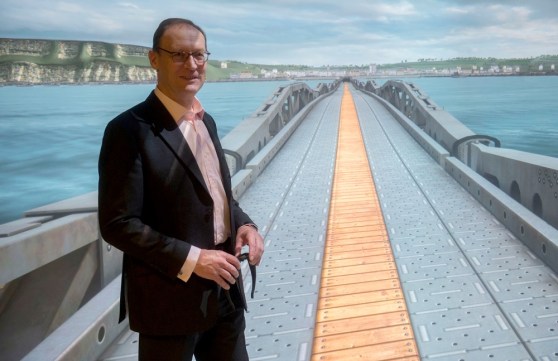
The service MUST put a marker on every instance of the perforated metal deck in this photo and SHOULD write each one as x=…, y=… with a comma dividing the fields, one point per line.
x=290, y=200
x=473, y=291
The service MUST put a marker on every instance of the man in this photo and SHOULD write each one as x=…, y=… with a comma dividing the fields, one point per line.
x=165, y=201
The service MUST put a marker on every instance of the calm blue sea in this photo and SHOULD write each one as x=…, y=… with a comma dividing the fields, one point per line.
x=50, y=135
x=520, y=111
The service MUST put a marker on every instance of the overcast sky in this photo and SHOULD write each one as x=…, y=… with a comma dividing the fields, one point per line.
x=310, y=32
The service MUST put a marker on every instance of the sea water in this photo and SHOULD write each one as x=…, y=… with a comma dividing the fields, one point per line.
x=50, y=135
x=522, y=112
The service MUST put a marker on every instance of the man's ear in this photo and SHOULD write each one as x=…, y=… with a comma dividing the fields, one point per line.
x=154, y=59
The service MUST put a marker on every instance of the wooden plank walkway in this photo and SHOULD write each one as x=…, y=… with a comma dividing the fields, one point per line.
x=361, y=314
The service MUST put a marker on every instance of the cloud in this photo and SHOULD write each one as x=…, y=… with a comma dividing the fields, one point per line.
x=314, y=32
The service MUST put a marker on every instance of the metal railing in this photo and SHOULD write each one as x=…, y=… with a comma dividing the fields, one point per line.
x=253, y=133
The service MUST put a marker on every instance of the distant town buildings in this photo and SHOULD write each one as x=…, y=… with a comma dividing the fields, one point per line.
x=244, y=76
x=319, y=73
x=406, y=69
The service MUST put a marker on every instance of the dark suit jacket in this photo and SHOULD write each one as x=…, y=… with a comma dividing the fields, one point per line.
x=153, y=205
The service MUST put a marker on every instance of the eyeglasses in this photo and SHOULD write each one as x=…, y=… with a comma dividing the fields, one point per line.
x=200, y=57
x=244, y=257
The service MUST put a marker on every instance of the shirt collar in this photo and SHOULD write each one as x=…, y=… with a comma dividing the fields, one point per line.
x=179, y=112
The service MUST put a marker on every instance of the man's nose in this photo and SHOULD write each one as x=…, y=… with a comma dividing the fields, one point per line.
x=190, y=62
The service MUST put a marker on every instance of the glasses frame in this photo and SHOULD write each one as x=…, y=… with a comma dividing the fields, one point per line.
x=180, y=57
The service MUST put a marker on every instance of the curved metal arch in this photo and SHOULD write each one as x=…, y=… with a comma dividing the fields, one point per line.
x=458, y=142
x=238, y=159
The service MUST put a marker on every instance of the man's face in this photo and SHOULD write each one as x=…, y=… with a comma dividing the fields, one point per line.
x=179, y=81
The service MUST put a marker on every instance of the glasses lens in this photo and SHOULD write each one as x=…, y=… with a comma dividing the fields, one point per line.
x=182, y=57
x=199, y=57
x=179, y=57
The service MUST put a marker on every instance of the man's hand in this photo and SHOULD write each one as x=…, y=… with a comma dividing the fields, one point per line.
x=248, y=235
x=218, y=266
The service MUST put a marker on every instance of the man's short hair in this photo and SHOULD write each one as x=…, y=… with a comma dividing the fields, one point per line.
x=167, y=23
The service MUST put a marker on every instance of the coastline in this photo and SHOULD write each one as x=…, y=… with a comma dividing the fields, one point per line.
x=243, y=80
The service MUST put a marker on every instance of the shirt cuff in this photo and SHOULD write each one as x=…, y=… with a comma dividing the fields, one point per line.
x=250, y=225
x=190, y=263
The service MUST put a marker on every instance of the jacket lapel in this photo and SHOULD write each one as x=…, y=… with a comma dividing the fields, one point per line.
x=165, y=128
